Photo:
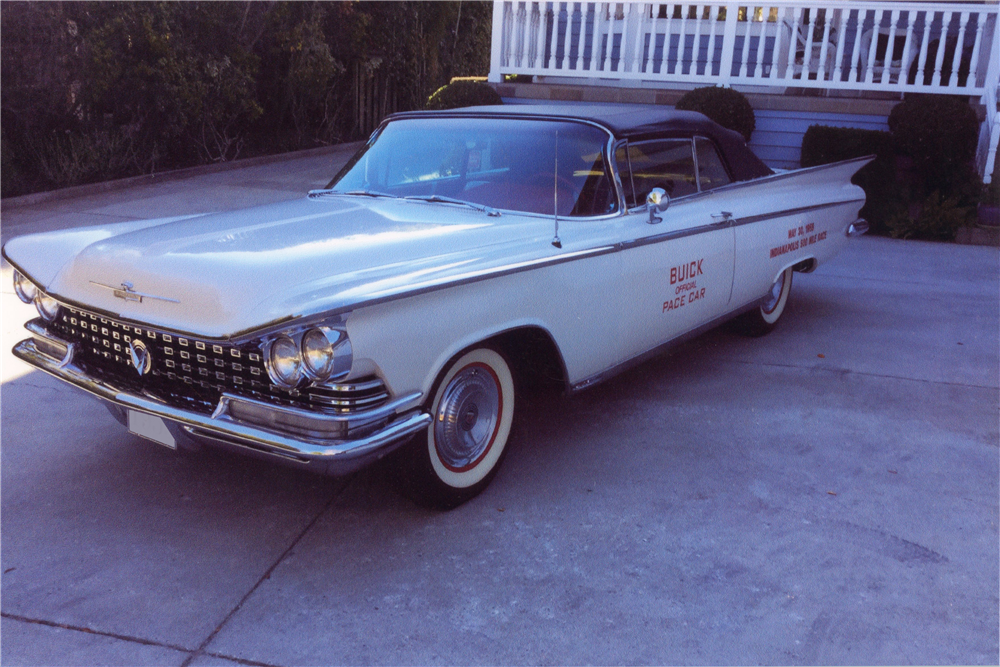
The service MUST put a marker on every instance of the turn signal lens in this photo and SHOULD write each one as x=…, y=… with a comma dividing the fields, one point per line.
x=317, y=354
x=24, y=288
x=284, y=362
x=47, y=307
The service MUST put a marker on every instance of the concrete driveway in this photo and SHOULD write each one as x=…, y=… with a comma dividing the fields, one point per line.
x=826, y=494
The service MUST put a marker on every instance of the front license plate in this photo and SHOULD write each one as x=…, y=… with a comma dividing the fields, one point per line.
x=151, y=428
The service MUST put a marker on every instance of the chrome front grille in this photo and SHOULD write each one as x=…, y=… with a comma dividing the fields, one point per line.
x=192, y=373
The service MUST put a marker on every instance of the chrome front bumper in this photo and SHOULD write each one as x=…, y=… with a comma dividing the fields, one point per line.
x=313, y=440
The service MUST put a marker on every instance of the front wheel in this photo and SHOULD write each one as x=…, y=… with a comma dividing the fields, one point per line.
x=762, y=320
x=473, y=408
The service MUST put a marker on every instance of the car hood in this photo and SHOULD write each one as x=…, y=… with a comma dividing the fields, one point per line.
x=222, y=274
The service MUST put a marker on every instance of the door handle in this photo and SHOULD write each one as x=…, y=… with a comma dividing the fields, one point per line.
x=721, y=218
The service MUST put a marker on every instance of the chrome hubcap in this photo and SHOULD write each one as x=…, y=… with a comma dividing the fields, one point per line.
x=467, y=418
x=772, y=299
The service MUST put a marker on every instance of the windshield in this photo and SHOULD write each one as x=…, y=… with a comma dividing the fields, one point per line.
x=507, y=164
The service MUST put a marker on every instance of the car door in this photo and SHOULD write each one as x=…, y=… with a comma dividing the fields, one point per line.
x=677, y=271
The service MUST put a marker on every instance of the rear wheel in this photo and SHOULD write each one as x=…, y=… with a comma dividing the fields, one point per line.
x=473, y=408
x=762, y=320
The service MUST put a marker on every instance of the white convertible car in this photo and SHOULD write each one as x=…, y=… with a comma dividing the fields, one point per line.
x=457, y=255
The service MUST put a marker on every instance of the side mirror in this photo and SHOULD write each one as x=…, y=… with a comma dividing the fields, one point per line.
x=657, y=201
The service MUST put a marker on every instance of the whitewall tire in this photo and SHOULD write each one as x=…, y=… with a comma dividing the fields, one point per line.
x=762, y=320
x=473, y=409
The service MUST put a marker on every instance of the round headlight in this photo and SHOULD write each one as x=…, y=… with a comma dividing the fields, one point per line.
x=317, y=354
x=47, y=307
x=284, y=362
x=24, y=288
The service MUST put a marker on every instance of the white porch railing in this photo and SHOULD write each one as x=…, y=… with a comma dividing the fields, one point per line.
x=989, y=131
x=884, y=46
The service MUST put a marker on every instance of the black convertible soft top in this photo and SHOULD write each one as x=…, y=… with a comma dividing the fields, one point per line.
x=630, y=121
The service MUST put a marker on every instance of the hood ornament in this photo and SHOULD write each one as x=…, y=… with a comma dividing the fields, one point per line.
x=139, y=354
x=127, y=292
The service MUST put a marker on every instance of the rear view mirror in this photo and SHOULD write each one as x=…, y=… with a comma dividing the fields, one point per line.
x=657, y=201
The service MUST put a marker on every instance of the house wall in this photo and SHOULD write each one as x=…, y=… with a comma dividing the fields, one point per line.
x=778, y=137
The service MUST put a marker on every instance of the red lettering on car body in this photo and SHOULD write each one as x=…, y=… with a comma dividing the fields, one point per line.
x=679, y=274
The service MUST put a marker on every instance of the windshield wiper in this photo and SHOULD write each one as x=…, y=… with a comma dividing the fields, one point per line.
x=361, y=193
x=488, y=210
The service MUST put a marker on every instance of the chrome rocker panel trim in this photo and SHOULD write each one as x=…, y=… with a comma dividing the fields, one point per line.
x=334, y=456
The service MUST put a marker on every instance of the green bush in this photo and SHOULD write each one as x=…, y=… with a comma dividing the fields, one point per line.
x=173, y=84
x=727, y=107
x=459, y=94
x=823, y=145
x=940, y=134
x=939, y=220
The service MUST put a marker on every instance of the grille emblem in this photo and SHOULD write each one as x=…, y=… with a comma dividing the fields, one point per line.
x=140, y=356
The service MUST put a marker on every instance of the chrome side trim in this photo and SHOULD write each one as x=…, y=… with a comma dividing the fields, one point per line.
x=793, y=211
x=668, y=236
x=609, y=373
x=334, y=456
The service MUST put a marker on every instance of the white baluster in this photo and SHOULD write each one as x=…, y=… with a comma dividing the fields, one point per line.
x=761, y=43
x=793, y=40
x=890, y=47
x=713, y=38
x=981, y=18
x=581, y=40
x=924, y=46
x=519, y=22
x=638, y=21
x=956, y=59
x=681, y=46
x=508, y=24
x=876, y=26
x=776, y=49
x=567, y=36
x=807, y=53
x=942, y=40
x=745, y=53
x=696, y=46
x=611, y=16
x=539, y=62
x=529, y=36
x=838, y=67
x=904, y=73
x=600, y=30
x=854, y=70
x=553, y=19
x=665, y=56
x=827, y=25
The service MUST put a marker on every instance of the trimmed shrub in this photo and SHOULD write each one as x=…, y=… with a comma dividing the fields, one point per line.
x=459, y=94
x=727, y=107
x=823, y=145
x=939, y=220
x=940, y=134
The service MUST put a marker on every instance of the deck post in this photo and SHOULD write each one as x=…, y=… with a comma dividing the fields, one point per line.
x=729, y=44
x=496, y=43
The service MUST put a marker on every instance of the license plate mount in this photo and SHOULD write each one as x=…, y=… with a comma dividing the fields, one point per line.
x=151, y=427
